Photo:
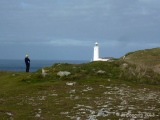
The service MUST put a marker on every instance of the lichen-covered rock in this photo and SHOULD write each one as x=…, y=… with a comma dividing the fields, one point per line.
x=63, y=73
x=44, y=72
x=70, y=83
x=101, y=71
x=124, y=65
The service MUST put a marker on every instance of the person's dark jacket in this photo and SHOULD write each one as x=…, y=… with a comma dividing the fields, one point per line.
x=27, y=61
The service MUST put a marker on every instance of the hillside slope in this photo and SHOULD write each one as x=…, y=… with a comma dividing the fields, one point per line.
x=115, y=89
x=139, y=67
x=149, y=58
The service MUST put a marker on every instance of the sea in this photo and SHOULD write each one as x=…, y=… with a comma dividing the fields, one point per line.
x=19, y=65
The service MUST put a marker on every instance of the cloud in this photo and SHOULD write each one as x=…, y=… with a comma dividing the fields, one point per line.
x=70, y=42
x=50, y=42
x=114, y=23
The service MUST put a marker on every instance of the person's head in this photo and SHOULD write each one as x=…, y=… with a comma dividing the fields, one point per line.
x=26, y=56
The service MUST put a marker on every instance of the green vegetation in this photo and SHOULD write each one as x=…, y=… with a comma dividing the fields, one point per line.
x=149, y=58
x=120, y=88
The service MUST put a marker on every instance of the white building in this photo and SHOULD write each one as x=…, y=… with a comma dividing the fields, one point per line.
x=96, y=54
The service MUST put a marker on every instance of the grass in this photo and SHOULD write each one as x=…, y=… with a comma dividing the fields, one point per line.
x=47, y=99
x=148, y=57
x=99, y=91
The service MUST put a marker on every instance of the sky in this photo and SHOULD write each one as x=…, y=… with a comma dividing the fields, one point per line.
x=68, y=29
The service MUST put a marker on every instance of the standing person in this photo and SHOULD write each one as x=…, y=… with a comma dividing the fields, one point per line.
x=27, y=61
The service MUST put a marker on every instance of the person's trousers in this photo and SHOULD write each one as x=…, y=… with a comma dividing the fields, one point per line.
x=27, y=67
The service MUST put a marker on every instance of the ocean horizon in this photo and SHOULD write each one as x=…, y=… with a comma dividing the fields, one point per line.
x=19, y=65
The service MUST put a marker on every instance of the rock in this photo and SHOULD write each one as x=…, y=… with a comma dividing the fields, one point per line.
x=70, y=83
x=131, y=71
x=37, y=115
x=13, y=74
x=63, y=73
x=73, y=91
x=44, y=72
x=124, y=65
x=101, y=71
x=8, y=113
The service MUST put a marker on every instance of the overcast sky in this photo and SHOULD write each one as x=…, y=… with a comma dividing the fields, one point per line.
x=68, y=29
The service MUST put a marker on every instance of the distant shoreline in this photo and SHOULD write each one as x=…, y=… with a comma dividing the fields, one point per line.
x=19, y=65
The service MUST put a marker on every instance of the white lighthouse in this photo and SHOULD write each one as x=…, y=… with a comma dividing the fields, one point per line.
x=96, y=52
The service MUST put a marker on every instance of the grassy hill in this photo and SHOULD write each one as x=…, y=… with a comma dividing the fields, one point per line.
x=120, y=88
x=148, y=58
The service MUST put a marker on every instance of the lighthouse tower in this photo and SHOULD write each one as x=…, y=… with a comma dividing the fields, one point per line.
x=96, y=52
